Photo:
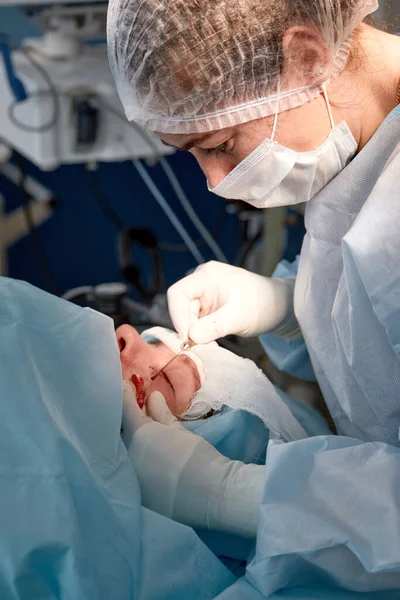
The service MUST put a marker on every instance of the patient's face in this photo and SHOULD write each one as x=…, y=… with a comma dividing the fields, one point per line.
x=140, y=361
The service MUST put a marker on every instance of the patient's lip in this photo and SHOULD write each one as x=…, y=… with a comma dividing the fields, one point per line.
x=138, y=382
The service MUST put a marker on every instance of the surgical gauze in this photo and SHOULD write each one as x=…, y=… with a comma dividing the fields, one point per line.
x=233, y=381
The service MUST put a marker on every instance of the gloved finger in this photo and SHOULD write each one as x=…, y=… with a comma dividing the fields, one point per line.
x=132, y=415
x=194, y=311
x=158, y=409
x=184, y=302
x=214, y=326
x=195, y=308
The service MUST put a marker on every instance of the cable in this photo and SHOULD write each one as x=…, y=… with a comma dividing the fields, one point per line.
x=77, y=292
x=52, y=92
x=191, y=213
x=148, y=241
x=200, y=243
x=155, y=192
x=127, y=236
x=183, y=199
x=117, y=222
x=205, y=234
x=30, y=128
x=247, y=247
x=102, y=201
x=40, y=255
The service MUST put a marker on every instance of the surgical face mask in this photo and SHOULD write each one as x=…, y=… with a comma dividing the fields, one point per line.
x=273, y=175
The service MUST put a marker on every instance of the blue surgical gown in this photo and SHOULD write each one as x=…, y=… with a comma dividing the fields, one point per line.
x=330, y=512
x=71, y=522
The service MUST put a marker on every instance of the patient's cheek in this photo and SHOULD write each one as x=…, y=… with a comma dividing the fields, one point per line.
x=145, y=387
x=138, y=382
x=159, y=385
x=183, y=372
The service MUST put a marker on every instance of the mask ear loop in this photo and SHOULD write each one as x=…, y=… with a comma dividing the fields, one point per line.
x=328, y=105
x=278, y=93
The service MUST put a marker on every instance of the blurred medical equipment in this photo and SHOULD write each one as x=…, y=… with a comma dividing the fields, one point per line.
x=113, y=300
x=56, y=90
x=68, y=80
x=36, y=207
x=59, y=105
x=145, y=239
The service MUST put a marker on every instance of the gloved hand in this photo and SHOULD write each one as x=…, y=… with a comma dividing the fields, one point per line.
x=183, y=477
x=217, y=300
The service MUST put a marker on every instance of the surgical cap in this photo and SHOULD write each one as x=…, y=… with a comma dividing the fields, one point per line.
x=201, y=65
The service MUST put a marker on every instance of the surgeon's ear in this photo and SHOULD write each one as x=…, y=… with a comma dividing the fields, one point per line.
x=306, y=58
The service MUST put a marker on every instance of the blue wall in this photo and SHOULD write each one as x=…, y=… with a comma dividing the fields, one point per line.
x=81, y=244
x=78, y=240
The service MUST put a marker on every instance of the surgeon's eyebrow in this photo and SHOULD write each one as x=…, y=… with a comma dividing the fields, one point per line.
x=191, y=143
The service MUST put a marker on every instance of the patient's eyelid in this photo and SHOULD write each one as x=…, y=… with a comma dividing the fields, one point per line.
x=164, y=376
x=167, y=379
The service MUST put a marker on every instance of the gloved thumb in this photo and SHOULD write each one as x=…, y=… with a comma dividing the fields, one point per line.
x=132, y=415
x=157, y=409
x=212, y=327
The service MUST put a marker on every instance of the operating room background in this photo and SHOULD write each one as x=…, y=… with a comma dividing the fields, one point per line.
x=81, y=244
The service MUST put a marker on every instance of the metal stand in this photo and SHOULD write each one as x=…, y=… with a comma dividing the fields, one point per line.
x=13, y=225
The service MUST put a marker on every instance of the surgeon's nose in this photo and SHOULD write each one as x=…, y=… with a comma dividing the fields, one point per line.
x=215, y=170
x=129, y=340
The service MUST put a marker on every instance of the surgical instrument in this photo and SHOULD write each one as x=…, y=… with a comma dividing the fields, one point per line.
x=185, y=346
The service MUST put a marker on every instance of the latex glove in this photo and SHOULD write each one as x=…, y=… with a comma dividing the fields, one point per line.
x=217, y=300
x=183, y=477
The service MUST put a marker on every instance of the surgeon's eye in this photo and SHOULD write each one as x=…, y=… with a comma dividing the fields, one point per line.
x=221, y=149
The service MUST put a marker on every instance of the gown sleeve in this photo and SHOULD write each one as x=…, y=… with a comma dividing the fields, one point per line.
x=288, y=353
x=329, y=515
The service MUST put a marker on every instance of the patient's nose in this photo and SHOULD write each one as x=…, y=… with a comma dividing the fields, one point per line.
x=129, y=341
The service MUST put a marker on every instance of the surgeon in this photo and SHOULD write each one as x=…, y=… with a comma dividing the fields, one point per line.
x=287, y=102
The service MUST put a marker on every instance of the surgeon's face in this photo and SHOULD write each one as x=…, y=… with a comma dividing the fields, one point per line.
x=219, y=152
x=140, y=360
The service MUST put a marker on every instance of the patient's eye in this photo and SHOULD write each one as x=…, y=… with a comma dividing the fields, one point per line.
x=165, y=378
